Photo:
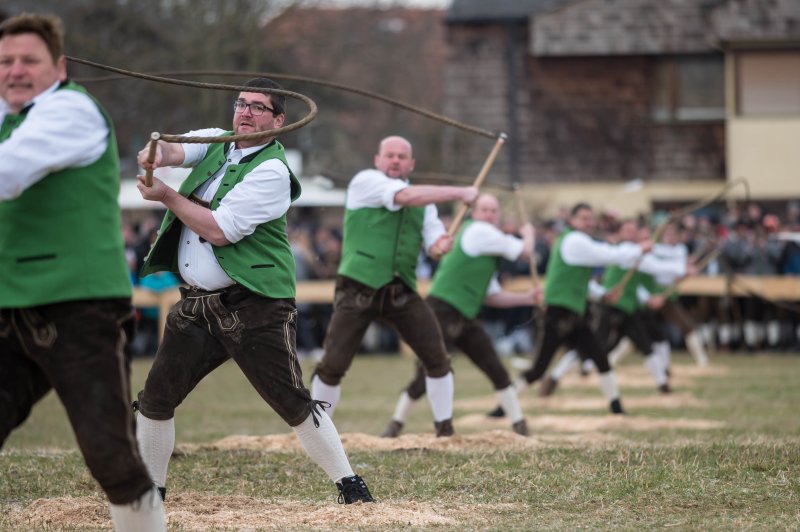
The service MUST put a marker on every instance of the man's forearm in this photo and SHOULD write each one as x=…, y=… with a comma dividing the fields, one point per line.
x=197, y=218
x=419, y=195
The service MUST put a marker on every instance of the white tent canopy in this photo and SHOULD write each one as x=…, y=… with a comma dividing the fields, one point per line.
x=318, y=191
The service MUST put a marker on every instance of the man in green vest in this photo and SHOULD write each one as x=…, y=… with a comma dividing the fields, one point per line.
x=669, y=308
x=620, y=309
x=387, y=221
x=65, y=309
x=464, y=281
x=628, y=313
x=569, y=269
x=225, y=234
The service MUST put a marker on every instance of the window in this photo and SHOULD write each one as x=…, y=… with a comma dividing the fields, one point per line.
x=689, y=88
x=768, y=83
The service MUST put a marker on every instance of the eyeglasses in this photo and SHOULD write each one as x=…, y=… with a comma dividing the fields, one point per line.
x=256, y=109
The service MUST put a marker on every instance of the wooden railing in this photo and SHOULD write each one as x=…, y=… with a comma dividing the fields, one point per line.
x=783, y=288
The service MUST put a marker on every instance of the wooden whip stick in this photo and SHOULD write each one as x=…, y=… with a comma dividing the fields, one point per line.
x=523, y=217
x=487, y=165
x=151, y=158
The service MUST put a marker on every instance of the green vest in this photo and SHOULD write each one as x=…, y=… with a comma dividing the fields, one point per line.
x=628, y=301
x=380, y=245
x=649, y=282
x=61, y=239
x=566, y=285
x=263, y=261
x=462, y=280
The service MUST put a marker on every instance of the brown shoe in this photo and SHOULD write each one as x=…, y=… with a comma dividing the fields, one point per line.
x=444, y=428
x=521, y=428
x=665, y=389
x=547, y=387
x=393, y=430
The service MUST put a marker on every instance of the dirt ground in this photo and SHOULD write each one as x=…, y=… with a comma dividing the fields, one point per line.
x=196, y=511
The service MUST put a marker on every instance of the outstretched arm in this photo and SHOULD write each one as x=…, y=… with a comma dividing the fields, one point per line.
x=507, y=299
x=419, y=195
x=167, y=154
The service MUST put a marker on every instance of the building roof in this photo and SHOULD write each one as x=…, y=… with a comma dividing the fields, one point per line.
x=766, y=21
x=621, y=27
x=478, y=11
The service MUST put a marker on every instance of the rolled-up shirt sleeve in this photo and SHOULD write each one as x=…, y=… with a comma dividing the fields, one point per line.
x=263, y=195
x=494, y=286
x=482, y=238
x=194, y=153
x=432, y=226
x=63, y=129
x=642, y=294
x=596, y=291
x=373, y=189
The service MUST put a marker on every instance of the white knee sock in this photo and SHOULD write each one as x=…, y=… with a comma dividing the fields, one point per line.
x=324, y=446
x=655, y=364
x=156, y=442
x=510, y=402
x=588, y=366
x=708, y=334
x=608, y=385
x=664, y=352
x=621, y=350
x=440, y=395
x=144, y=514
x=725, y=333
x=565, y=365
x=520, y=385
x=695, y=347
x=325, y=392
x=405, y=405
x=773, y=333
x=750, y=334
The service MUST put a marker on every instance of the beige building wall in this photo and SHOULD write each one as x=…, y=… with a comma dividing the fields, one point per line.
x=766, y=152
x=763, y=121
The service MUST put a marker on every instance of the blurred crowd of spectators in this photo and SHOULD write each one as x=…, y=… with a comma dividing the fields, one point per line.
x=752, y=242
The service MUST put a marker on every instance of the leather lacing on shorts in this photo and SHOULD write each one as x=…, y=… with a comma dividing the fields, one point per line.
x=315, y=413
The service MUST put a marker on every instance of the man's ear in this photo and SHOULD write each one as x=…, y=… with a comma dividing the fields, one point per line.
x=61, y=66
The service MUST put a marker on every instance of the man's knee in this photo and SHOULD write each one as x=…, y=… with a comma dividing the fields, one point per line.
x=123, y=478
x=116, y=465
x=152, y=408
x=437, y=367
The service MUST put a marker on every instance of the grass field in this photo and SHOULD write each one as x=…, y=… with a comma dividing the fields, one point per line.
x=722, y=452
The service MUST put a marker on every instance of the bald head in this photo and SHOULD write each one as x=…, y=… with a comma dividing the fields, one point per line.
x=395, y=157
x=486, y=209
x=394, y=142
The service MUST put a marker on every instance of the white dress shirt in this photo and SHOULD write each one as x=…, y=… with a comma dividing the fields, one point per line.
x=677, y=255
x=666, y=271
x=483, y=238
x=579, y=249
x=63, y=129
x=374, y=189
x=263, y=195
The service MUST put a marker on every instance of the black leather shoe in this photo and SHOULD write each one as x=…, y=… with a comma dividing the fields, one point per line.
x=497, y=412
x=353, y=489
x=444, y=428
x=616, y=407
